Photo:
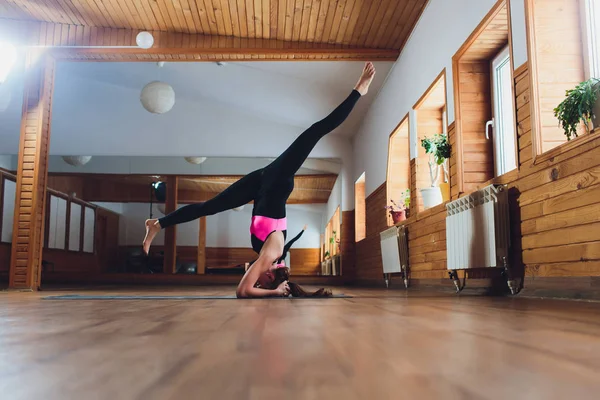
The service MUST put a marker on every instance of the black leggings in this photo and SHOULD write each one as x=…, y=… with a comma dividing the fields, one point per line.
x=267, y=186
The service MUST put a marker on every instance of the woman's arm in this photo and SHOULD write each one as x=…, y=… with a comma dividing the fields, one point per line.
x=246, y=286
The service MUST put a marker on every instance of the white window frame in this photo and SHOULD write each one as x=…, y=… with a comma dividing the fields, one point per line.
x=499, y=156
x=591, y=37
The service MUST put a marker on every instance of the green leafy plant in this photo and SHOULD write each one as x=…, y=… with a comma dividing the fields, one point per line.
x=439, y=151
x=404, y=202
x=578, y=107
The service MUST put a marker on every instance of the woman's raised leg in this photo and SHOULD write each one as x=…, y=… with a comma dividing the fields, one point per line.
x=239, y=193
x=292, y=159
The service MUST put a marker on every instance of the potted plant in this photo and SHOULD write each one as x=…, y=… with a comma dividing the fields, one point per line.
x=399, y=213
x=439, y=151
x=581, y=105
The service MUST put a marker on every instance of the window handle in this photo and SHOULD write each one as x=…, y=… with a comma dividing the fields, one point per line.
x=487, y=127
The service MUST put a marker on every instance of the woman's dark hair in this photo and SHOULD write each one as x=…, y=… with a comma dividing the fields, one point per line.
x=283, y=274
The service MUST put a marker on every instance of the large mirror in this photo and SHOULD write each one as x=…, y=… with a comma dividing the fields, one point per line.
x=116, y=132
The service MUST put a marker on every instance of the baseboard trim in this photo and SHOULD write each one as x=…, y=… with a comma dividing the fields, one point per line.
x=577, y=288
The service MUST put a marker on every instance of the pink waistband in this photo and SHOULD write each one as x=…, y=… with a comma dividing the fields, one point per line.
x=261, y=227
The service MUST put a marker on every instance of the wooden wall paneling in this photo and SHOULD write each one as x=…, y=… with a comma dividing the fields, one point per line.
x=414, y=199
x=368, y=251
x=453, y=163
x=304, y=262
x=376, y=216
x=170, y=261
x=32, y=173
x=227, y=257
x=476, y=109
x=348, y=246
x=360, y=210
x=201, y=262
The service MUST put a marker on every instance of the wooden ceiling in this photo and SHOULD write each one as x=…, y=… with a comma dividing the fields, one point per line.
x=309, y=189
x=360, y=24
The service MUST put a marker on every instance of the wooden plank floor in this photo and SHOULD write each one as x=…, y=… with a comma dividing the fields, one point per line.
x=378, y=345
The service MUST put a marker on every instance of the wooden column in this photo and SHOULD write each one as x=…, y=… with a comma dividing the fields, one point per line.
x=171, y=232
x=32, y=173
x=201, y=264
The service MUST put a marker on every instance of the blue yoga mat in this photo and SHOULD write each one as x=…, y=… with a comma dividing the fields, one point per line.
x=149, y=297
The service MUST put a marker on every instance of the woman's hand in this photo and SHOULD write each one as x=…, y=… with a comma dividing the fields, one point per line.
x=283, y=289
x=305, y=226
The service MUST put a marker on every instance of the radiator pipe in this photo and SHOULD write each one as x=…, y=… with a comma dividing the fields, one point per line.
x=454, y=277
x=510, y=281
x=405, y=276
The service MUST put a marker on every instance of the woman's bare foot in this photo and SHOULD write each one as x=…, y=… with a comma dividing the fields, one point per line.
x=152, y=228
x=368, y=73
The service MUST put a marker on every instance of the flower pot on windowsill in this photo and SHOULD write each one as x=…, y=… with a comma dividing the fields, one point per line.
x=398, y=216
x=432, y=196
x=445, y=189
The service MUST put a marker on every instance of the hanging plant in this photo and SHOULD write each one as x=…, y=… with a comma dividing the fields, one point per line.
x=578, y=107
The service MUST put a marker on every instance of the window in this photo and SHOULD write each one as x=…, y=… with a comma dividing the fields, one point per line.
x=557, y=33
x=430, y=112
x=398, y=169
x=88, y=230
x=57, y=223
x=484, y=137
x=8, y=209
x=75, y=227
x=591, y=38
x=360, y=211
x=503, y=123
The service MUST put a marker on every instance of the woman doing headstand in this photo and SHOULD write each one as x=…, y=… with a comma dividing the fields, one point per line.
x=269, y=188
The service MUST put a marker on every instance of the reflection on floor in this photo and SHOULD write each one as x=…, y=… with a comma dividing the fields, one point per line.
x=377, y=345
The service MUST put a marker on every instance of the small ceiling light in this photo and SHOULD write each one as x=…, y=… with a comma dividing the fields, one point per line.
x=144, y=40
x=8, y=57
x=195, y=160
x=77, y=161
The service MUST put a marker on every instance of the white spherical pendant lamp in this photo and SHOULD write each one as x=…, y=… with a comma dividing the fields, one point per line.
x=157, y=97
x=145, y=40
x=77, y=161
x=195, y=160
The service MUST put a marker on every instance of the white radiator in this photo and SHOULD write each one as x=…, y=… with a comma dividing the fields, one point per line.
x=477, y=229
x=390, y=252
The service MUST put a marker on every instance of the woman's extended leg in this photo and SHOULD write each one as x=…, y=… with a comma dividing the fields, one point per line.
x=239, y=193
x=292, y=159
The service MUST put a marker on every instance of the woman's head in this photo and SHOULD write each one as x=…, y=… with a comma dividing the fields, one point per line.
x=272, y=277
x=279, y=273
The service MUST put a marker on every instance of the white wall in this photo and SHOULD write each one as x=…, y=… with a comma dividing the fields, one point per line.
x=334, y=200
x=11, y=105
x=517, y=12
x=441, y=31
x=6, y=162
